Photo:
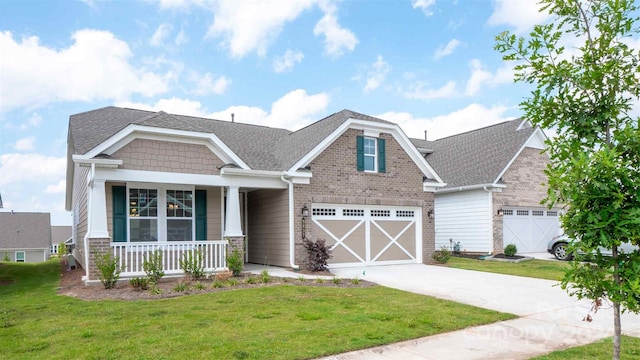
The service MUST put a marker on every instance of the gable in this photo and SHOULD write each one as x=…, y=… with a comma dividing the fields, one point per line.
x=168, y=156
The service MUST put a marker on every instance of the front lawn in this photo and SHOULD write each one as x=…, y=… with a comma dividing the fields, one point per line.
x=541, y=269
x=629, y=349
x=280, y=322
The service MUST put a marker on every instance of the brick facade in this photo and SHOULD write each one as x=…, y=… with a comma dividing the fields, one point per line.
x=153, y=155
x=525, y=180
x=335, y=180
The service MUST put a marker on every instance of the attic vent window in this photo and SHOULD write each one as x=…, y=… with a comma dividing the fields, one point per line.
x=323, y=212
x=380, y=213
x=352, y=212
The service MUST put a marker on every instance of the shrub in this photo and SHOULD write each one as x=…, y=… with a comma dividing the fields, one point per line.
x=319, y=280
x=152, y=266
x=62, y=250
x=301, y=278
x=223, y=276
x=510, y=250
x=198, y=286
x=442, y=256
x=355, y=281
x=251, y=280
x=155, y=289
x=6, y=257
x=336, y=280
x=265, y=276
x=192, y=264
x=139, y=283
x=181, y=286
x=232, y=282
x=217, y=284
x=109, y=271
x=235, y=262
x=318, y=253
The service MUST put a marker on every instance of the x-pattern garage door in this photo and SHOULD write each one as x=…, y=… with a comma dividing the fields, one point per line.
x=361, y=234
x=530, y=228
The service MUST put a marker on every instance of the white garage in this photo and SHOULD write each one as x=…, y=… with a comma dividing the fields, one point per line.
x=530, y=228
x=369, y=235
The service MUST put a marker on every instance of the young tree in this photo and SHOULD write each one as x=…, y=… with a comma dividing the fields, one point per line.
x=586, y=74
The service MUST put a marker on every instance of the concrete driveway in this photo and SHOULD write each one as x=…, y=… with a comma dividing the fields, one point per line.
x=549, y=318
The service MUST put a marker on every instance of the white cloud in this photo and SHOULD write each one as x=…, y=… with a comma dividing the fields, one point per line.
x=209, y=84
x=447, y=49
x=32, y=122
x=292, y=111
x=480, y=77
x=472, y=117
x=25, y=144
x=522, y=15
x=377, y=75
x=16, y=168
x=181, y=38
x=247, y=26
x=417, y=91
x=95, y=67
x=424, y=5
x=336, y=38
x=160, y=35
x=287, y=60
x=58, y=188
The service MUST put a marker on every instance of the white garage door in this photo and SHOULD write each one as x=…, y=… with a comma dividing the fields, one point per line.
x=368, y=235
x=530, y=228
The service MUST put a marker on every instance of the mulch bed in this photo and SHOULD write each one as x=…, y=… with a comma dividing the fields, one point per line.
x=503, y=256
x=71, y=284
x=470, y=256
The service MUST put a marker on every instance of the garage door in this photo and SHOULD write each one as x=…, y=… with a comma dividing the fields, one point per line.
x=368, y=235
x=530, y=228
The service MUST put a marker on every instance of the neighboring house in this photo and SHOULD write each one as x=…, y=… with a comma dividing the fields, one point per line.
x=495, y=184
x=139, y=181
x=25, y=237
x=60, y=234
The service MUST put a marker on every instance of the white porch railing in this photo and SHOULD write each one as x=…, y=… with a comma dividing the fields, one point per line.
x=131, y=256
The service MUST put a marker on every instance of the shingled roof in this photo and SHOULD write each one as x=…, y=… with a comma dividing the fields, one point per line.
x=478, y=156
x=260, y=147
x=22, y=230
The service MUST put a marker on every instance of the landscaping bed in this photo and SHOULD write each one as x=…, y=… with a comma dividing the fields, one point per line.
x=71, y=284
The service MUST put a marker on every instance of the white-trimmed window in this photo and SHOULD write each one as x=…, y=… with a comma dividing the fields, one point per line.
x=20, y=256
x=370, y=154
x=160, y=214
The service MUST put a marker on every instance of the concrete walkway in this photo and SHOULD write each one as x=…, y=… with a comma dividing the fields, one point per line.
x=549, y=318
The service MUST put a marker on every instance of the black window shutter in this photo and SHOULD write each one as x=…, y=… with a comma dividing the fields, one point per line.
x=381, y=156
x=360, y=153
x=201, y=214
x=119, y=199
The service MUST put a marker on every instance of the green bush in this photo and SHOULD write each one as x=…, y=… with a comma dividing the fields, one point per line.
x=62, y=249
x=510, y=250
x=6, y=257
x=265, y=276
x=181, y=286
x=192, y=264
x=152, y=266
x=109, y=271
x=442, y=256
x=139, y=283
x=235, y=262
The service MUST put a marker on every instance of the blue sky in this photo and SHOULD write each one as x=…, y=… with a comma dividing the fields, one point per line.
x=425, y=64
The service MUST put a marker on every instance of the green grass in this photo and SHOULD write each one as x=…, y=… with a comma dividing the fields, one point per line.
x=280, y=322
x=541, y=269
x=629, y=349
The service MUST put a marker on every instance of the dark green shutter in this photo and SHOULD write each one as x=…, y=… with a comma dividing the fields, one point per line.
x=119, y=213
x=360, y=153
x=381, y=156
x=201, y=214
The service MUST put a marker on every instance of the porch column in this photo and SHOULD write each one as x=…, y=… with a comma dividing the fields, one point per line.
x=97, y=208
x=232, y=225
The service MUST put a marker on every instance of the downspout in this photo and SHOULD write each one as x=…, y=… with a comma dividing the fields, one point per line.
x=92, y=174
x=292, y=261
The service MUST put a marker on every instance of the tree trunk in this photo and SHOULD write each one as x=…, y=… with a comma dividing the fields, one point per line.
x=617, y=328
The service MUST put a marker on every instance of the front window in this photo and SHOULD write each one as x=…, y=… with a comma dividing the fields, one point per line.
x=370, y=154
x=143, y=215
x=19, y=256
x=179, y=215
x=149, y=222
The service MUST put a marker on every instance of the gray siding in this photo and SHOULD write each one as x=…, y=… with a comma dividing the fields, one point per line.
x=80, y=215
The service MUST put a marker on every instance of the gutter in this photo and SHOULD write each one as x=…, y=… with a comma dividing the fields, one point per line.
x=292, y=261
x=487, y=187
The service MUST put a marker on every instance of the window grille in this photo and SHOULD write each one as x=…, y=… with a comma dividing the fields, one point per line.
x=522, y=212
x=381, y=213
x=352, y=212
x=405, y=213
x=323, y=212
x=507, y=212
x=552, y=213
x=537, y=213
